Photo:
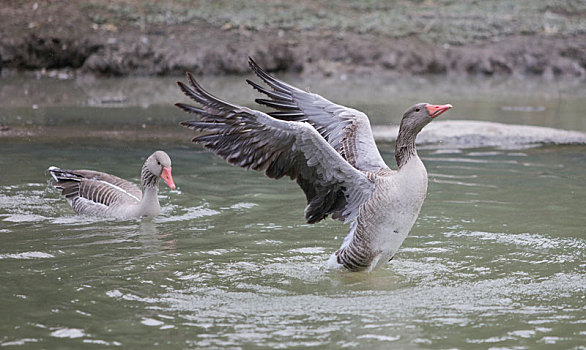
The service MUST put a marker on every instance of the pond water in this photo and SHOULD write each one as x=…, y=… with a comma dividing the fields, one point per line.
x=495, y=260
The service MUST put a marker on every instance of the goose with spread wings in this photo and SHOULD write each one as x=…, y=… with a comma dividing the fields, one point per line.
x=329, y=150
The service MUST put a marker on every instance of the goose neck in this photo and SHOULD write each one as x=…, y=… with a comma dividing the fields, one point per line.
x=405, y=146
x=148, y=179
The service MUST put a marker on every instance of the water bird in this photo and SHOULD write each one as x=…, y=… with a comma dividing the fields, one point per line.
x=330, y=151
x=100, y=194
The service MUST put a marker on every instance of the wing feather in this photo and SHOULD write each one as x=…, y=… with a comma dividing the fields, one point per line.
x=254, y=140
x=346, y=129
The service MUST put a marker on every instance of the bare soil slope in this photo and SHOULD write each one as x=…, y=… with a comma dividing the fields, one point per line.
x=131, y=37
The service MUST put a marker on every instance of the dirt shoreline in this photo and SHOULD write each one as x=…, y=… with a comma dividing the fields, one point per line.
x=62, y=39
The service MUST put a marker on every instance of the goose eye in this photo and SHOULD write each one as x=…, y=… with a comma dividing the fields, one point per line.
x=417, y=109
x=159, y=163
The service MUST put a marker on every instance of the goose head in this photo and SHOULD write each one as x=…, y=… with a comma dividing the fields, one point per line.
x=418, y=116
x=413, y=121
x=159, y=164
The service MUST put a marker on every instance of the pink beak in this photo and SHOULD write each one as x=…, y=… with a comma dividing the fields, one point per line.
x=435, y=110
x=168, y=178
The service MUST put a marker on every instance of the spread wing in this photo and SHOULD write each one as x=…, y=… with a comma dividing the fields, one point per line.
x=252, y=139
x=85, y=188
x=347, y=130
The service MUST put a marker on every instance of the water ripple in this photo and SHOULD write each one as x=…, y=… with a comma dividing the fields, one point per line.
x=71, y=333
x=27, y=255
x=190, y=214
x=532, y=240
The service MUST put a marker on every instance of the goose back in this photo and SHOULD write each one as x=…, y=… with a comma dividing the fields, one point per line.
x=94, y=192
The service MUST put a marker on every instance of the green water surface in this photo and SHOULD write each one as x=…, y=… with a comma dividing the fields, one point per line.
x=495, y=260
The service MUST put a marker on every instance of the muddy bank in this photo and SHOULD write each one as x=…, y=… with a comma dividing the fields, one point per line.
x=126, y=37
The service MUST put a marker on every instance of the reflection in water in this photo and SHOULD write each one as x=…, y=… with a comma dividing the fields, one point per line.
x=151, y=239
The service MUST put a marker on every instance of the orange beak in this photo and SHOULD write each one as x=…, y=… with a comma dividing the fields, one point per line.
x=435, y=110
x=168, y=178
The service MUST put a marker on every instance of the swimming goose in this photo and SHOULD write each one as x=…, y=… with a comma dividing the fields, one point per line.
x=330, y=151
x=101, y=194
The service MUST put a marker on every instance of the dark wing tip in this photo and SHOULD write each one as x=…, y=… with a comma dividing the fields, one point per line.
x=251, y=62
x=255, y=67
x=192, y=80
x=255, y=86
x=190, y=109
x=188, y=91
x=187, y=124
x=273, y=82
x=197, y=93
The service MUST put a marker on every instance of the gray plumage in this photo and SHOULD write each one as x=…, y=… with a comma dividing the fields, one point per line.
x=330, y=151
x=96, y=193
